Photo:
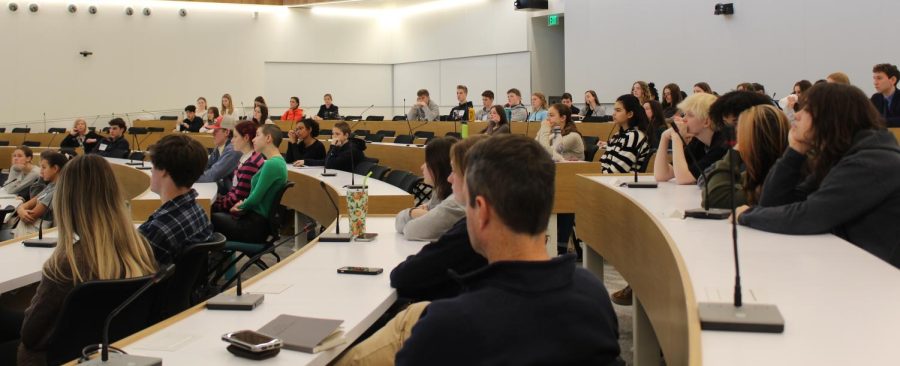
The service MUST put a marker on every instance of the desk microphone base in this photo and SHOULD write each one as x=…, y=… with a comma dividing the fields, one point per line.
x=134, y=163
x=711, y=214
x=116, y=359
x=40, y=243
x=641, y=185
x=335, y=238
x=142, y=167
x=757, y=318
x=329, y=174
x=234, y=302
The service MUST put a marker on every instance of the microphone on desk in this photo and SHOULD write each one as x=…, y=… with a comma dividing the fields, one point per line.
x=325, y=172
x=52, y=137
x=636, y=184
x=45, y=120
x=739, y=317
x=364, y=112
x=134, y=131
x=337, y=236
x=122, y=358
x=705, y=212
x=40, y=242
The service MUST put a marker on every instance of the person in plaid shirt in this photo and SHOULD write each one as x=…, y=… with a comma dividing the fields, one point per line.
x=178, y=161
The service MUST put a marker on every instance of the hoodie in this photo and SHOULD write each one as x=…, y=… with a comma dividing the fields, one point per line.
x=344, y=157
x=858, y=200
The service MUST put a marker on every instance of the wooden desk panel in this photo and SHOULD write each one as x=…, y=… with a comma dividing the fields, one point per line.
x=306, y=197
x=167, y=126
x=440, y=128
x=567, y=195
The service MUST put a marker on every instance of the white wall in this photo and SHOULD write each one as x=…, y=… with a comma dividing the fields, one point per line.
x=610, y=44
x=165, y=61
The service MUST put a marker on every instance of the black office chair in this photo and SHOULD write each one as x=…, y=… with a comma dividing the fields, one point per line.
x=80, y=321
x=2, y=129
x=387, y=133
x=156, y=129
x=444, y=118
x=168, y=118
x=362, y=133
x=404, y=139
x=424, y=134
x=21, y=130
x=352, y=118
x=399, y=118
x=4, y=143
x=375, y=138
x=57, y=130
x=590, y=151
x=590, y=140
x=375, y=118
x=188, y=286
x=275, y=118
x=454, y=134
x=371, y=160
x=596, y=119
x=409, y=183
x=397, y=177
x=379, y=171
x=105, y=130
x=325, y=132
x=363, y=168
x=276, y=216
x=31, y=143
x=136, y=155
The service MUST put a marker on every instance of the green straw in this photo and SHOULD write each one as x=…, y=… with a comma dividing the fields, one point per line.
x=366, y=180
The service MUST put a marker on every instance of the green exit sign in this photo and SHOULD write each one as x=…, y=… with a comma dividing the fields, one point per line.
x=553, y=20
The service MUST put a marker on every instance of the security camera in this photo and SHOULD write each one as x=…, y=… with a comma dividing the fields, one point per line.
x=182, y=12
x=13, y=6
x=724, y=9
x=33, y=8
x=92, y=9
x=129, y=11
x=147, y=12
x=86, y=53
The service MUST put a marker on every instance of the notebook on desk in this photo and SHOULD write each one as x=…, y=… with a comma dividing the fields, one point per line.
x=310, y=335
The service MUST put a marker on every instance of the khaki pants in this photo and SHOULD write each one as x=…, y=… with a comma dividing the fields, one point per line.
x=382, y=347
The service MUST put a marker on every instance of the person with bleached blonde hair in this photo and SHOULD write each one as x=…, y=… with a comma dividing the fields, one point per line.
x=704, y=141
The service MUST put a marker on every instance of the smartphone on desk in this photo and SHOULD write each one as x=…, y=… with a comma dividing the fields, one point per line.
x=360, y=270
x=249, y=340
x=366, y=237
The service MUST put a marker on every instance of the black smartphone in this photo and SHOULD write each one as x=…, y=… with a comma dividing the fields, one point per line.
x=366, y=237
x=361, y=270
x=252, y=341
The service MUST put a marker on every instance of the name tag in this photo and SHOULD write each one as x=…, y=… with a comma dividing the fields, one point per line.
x=102, y=147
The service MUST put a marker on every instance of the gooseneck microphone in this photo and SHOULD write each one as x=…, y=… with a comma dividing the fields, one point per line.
x=636, y=184
x=364, y=112
x=705, y=212
x=40, y=242
x=337, y=236
x=325, y=172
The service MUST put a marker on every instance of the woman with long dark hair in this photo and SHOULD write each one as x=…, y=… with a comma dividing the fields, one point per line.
x=628, y=149
x=559, y=135
x=671, y=98
x=432, y=219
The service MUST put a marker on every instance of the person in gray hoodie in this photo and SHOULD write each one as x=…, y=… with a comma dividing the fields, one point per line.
x=852, y=189
x=425, y=109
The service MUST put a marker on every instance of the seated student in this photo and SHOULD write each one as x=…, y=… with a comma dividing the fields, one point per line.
x=222, y=162
x=705, y=142
x=671, y=98
x=36, y=211
x=202, y=108
x=497, y=122
x=592, y=107
x=702, y=87
x=559, y=135
x=327, y=111
x=192, y=122
x=567, y=100
x=424, y=276
x=461, y=111
x=248, y=220
x=261, y=114
x=838, y=175
x=538, y=108
x=629, y=148
x=303, y=142
x=762, y=137
x=838, y=77
x=345, y=151
x=657, y=117
x=294, y=113
x=178, y=161
x=432, y=219
x=887, y=100
x=425, y=109
x=518, y=112
x=115, y=145
x=22, y=173
x=229, y=117
x=249, y=163
x=81, y=137
x=502, y=316
x=213, y=120
x=641, y=90
x=787, y=103
x=487, y=99
x=97, y=241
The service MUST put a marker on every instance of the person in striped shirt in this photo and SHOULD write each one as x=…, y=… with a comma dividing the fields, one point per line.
x=628, y=149
x=249, y=164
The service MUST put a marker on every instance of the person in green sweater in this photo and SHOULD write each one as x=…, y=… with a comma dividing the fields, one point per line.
x=248, y=219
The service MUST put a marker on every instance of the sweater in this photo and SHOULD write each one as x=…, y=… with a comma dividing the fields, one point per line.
x=300, y=151
x=705, y=155
x=519, y=313
x=18, y=183
x=434, y=223
x=424, y=276
x=562, y=148
x=328, y=113
x=220, y=166
x=460, y=112
x=265, y=186
x=431, y=112
x=240, y=187
x=538, y=115
x=112, y=148
x=719, y=183
x=493, y=129
x=890, y=113
x=518, y=112
x=343, y=157
x=627, y=150
x=193, y=125
x=81, y=141
x=858, y=200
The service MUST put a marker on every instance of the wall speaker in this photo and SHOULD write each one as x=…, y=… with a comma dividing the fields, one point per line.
x=147, y=12
x=13, y=6
x=724, y=9
x=531, y=5
x=92, y=9
x=129, y=11
x=182, y=12
x=33, y=8
x=72, y=8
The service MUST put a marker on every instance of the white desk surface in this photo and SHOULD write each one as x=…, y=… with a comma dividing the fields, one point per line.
x=21, y=266
x=316, y=290
x=841, y=305
x=413, y=146
x=204, y=190
x=342, y=179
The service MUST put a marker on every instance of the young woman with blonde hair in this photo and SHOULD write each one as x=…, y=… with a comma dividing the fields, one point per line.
x=538, y=108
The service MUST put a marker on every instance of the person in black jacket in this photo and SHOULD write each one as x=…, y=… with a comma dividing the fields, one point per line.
x=327, y=111
x=192, y=123
x=81, y=137
x=509, y=313
x=303, y=142
x=345, y=152
x=461, y=111
x=852, y=189
x=887, y=100
x=115, y=145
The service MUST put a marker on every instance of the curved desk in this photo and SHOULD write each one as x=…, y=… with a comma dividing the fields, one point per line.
x=673, y=263
x=136, y=185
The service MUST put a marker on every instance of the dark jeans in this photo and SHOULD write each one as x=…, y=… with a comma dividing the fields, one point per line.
x=565, y=227
x=251, y=227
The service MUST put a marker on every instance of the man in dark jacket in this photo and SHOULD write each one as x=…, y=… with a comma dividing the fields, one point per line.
x=887, y=100
x=115, y=145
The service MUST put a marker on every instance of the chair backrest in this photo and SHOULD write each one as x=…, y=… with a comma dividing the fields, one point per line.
x=21, y=130
x=80, y=321
x=181, y=288
x=57, y=130
x=361, y=132
x=379, y=171
x=156, y=129
x=424, y=134
x=363, y=167
x=168, y=118
x=31, y=143
x=4, y=143
x=454, y=134
x=136, y=155
x=371, y=159
x=396, y=177
x=275, y=118
x=352, y=118
x=375, y=138
x=410, y=182
x=375, y=118
x=276, y=213
x=325, y=132
x=399, y=117
x=590, y=151
x=590, y=140
x=2, y=129
x=597, y=119
x=387, y=133
x=404, y=139
x=444, y=117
